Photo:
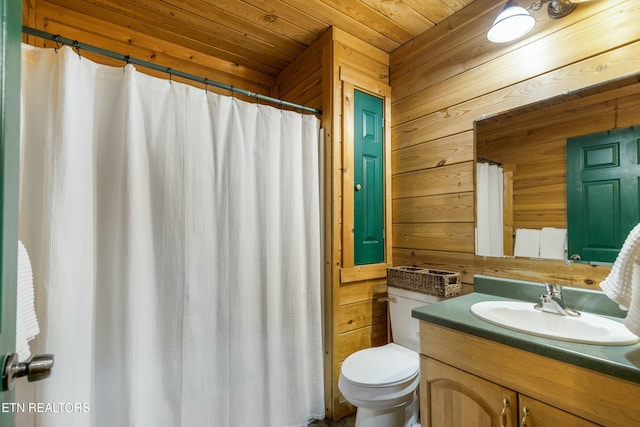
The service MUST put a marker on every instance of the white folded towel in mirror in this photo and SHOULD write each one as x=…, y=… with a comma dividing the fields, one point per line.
x=26, y=321
x=553, y=243
x=527, y=243
x=622, y=284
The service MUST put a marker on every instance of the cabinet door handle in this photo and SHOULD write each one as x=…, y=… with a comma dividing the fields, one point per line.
x=525, y=411
x=503, y=415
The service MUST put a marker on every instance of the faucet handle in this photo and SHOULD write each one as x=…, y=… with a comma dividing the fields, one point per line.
x=551, y=301
x=553, y=290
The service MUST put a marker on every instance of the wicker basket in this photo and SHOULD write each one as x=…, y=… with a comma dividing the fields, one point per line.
x=423, y=280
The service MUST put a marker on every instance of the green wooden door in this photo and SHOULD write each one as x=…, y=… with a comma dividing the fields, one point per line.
x=602, y=192
x=9, y=152
x=368, y=142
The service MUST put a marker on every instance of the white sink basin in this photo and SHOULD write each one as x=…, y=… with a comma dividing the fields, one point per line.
x=521, y=316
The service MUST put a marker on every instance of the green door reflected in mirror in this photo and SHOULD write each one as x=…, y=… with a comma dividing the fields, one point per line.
x=603, y=204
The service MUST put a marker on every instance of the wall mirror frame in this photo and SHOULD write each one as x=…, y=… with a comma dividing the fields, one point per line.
x=530, y=144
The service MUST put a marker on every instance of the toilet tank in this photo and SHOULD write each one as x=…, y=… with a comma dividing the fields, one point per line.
x=404, y=328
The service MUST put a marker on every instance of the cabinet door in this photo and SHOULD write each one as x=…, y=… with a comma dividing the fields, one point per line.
x=458, y=399
x=534, y=413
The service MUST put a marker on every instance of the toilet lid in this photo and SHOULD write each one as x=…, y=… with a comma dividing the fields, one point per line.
x=381, y=366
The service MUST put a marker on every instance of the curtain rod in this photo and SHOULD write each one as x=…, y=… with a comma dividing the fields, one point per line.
x=491, y=162
x=126, y=58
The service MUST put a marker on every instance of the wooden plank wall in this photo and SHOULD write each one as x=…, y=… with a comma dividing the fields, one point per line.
x=360, y=313
x=355, y=317
x=103, y=33
x=449, y=77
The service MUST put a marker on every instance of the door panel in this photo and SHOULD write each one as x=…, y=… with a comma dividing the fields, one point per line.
x=368, y=179
x=9, y=162
x=602, y=192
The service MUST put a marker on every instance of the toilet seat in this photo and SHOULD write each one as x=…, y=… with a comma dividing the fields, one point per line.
x=380, y=377
x=383, y=366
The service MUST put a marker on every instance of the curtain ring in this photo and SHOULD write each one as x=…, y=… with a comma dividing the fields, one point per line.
x=56, y=38
x=170, y=76
x=206, y=85
x=76, y=44
x=233, y=91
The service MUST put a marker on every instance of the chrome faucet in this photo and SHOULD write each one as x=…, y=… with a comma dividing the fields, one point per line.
x=551, y=301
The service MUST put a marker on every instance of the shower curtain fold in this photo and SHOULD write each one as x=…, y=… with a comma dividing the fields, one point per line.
x=489, y=210
x=176, y=240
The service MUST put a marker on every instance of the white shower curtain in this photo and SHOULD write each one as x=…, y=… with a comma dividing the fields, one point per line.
x=175, y=239
x=489, y=210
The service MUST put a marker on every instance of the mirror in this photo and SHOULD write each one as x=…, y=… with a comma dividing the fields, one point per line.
x=529, y=145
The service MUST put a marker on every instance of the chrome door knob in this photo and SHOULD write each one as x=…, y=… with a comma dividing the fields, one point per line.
x=36, y=368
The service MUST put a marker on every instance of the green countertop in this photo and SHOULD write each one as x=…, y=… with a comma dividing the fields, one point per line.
x=618, y=361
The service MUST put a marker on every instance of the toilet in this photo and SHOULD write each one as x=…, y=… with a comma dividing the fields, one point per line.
x=382, y=382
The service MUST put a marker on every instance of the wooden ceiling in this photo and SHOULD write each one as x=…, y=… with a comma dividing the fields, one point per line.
x=266, y=35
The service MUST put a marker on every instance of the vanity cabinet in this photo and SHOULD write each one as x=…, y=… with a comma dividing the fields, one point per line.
x=472, y=381
x=457, y=398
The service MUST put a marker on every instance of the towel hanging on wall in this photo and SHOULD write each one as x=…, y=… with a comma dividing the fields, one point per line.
x=26, y=321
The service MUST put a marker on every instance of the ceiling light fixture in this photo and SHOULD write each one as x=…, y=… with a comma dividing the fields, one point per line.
x=515, y=21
